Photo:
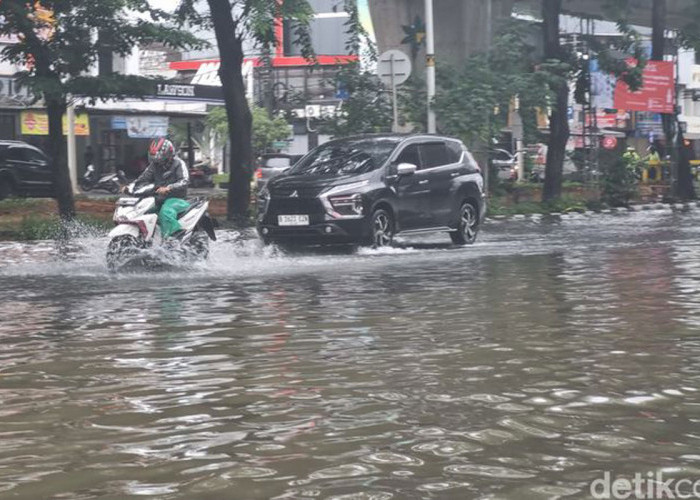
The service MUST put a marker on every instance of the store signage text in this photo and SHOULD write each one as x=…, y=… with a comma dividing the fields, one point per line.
x=165, y=89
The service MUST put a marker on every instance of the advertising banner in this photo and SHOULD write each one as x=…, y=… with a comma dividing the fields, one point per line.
x=657, y=94
x=37, y=123
x=602, y=87
x=147, y=127
x=648, y=124
x=118, y=123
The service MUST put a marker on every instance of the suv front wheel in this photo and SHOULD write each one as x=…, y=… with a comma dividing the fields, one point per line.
x=468, y=225
x=381, y=228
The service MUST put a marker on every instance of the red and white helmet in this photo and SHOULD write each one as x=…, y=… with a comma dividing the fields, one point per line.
x=161, y=152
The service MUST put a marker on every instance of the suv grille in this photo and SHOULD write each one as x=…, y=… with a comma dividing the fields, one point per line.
x=286, y=192
x=294, y=206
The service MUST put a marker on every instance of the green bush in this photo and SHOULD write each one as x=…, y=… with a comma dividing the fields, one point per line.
x=37, y=228
x=619, y=183
x=34, y=227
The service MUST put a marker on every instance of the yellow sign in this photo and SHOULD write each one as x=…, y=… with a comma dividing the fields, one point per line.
x=37, y=123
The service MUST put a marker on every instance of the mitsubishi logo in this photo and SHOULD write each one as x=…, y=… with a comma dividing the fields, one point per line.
x=294, y=194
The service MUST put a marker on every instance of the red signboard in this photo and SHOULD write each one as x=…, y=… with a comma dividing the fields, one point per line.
x=657, y=94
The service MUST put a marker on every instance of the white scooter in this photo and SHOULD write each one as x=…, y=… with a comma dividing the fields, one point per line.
x=107, y=182
x=137, y=233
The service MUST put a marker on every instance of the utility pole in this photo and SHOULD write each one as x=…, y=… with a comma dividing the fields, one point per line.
x=71, y=150
x=430, y=63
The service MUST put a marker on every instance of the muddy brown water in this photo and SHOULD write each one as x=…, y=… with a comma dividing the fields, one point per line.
x=522, y=367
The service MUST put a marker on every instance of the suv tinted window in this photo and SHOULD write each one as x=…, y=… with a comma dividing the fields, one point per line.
x=434, y=154
x=473, y=165
x=454, y=151
x=409, y=155
x=34, y=155
x=17, y=154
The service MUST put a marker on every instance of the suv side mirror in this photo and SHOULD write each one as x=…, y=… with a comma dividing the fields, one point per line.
x=406, y=169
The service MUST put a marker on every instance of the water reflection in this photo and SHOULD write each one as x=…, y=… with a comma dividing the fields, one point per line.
x=519, y=368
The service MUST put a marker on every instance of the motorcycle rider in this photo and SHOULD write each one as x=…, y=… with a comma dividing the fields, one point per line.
x=171, y=178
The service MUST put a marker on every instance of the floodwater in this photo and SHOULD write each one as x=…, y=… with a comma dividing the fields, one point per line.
x=522, y=367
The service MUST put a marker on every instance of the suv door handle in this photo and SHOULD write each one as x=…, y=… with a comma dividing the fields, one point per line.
x=454, y=174
x=424, y=181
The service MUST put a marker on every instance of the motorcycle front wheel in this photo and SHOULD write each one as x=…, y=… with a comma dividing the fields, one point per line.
x=121, y=250
x=85, y=186
x=198, y=246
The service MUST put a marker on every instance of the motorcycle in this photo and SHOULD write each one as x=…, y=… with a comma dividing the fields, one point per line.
x=201, y=175
x=137, y=234
x=108, y=182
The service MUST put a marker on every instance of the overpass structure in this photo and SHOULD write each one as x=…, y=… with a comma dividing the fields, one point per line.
x=463, y=27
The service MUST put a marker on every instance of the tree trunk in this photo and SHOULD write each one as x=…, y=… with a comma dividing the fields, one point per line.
x=237, y=110
x=686, y=187
x=681, y=177
x=558, y=120
x=55, y=108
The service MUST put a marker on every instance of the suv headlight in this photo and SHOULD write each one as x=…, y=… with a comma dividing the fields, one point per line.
x=263, y=200
x=347, y=205
x=344, y=202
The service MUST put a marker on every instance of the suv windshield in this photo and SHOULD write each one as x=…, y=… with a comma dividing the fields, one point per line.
x=352, y=156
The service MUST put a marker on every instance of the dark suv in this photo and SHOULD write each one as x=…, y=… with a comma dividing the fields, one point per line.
x=368, y=189
x=24, y=170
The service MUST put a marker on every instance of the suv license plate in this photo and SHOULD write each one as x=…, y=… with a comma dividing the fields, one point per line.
x=293, y=220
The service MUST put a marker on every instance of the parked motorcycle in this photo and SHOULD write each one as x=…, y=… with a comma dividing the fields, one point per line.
x=137, y=233
x=201, y=175
x=91, y=180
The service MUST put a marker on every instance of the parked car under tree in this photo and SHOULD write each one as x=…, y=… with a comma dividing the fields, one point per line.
x=24, y=170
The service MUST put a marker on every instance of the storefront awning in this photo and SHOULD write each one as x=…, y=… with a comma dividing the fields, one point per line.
x=149, y=106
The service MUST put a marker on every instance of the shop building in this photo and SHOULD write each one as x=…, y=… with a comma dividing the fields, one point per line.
x=291, y=83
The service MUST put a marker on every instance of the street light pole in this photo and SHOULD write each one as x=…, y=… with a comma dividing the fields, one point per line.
x=71, y=150
x=430, y=63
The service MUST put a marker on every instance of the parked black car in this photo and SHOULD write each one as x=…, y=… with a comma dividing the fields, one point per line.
x=24, y=170
x=367, y=189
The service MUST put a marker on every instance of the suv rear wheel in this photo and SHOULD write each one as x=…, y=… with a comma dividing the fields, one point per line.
x=382, y=228
x=468, y=226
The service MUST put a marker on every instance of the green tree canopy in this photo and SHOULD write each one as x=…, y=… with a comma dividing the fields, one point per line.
x=266, y=130
x=60, y=41
x=367, y=109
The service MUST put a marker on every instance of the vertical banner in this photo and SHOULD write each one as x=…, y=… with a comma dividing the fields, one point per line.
x=602, y=86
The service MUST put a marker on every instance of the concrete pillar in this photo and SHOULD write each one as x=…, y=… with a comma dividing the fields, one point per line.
x=461, y=26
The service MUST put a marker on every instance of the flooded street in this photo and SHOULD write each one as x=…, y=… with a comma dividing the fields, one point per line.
x=521, y=367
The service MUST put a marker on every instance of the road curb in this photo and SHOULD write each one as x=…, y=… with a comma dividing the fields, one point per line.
x=648, y=207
